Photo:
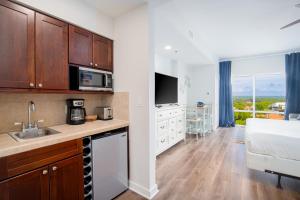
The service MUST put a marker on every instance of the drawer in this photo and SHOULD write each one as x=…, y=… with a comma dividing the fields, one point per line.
x=24, y=162
x=180, y=134
x=162, y=127
x=172, y=122
x=163, y=142
x=164, y=114
x=178, y=112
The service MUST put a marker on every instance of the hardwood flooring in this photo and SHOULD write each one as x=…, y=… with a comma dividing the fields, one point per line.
x=212, y=168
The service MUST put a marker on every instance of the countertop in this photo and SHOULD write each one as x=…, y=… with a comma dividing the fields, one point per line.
x=9, y=146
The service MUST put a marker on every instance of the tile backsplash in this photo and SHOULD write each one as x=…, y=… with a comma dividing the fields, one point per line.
x=52, y=107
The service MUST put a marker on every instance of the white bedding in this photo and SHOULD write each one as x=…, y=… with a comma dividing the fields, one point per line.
x=276, y=138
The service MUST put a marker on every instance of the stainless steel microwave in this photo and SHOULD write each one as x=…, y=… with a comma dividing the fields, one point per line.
x=87, y=79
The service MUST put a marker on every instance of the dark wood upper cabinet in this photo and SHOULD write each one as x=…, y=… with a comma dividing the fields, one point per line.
x=51, y=53
x=102, y=53
x=66, y=179
x=80, y=46
x=16, y=46
x=33, y=185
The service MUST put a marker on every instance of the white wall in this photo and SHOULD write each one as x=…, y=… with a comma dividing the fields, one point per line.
x=76, y=12
x=135, y=74
x=258, y=65
x=175, y=68
x=204, y=87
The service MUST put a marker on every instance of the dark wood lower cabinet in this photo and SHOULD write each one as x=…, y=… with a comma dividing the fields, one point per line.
x=49, y=173
x=33, y=185
x=66, y=179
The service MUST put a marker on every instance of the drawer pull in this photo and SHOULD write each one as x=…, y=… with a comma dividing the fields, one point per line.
x=162, y=127
x=54, y=168
x=163, y=141
x=45, y=172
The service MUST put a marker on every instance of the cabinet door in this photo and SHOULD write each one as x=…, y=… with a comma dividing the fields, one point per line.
x=66, y=179
x=80, y=46
x=51, y=53
x=16, y=46
x=33, y=185
x=103, y=53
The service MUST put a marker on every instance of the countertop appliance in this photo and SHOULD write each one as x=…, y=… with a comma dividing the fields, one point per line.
x=87, y=79
x=107, y=166
x=75, y=111
x=104, y=113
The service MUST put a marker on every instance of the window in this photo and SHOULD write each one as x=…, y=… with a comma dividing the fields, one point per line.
x=260, y=96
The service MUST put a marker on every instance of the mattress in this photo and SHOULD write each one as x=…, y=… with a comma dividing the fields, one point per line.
x=275, y=138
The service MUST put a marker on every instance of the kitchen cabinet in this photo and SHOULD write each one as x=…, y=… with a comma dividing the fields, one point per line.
x=51, y=53
x=80, y=46
x=33, y=185
x=102, y=53
x=36, y=50
x=17, y=68
x=66, y=179
x=54, y=172
x=88, y=49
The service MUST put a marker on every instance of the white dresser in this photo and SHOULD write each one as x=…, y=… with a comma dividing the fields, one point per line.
x=170, y=127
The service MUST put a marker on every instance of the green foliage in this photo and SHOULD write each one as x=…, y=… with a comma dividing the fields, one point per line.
x=245, y=103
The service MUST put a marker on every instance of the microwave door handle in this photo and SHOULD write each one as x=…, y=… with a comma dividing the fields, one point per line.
x=106, y=82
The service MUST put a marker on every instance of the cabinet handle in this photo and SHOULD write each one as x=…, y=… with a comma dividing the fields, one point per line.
x=54, y=168
x=31, y=84
x=45, y=172
x=162, y=141
x=162, y=127
x=91, y=64
x=96, y=65
x=40, y=85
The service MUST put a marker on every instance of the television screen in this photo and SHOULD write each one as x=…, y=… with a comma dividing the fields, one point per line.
x=166, y=89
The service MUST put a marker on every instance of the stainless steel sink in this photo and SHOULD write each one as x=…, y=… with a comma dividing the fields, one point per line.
x=33, y=133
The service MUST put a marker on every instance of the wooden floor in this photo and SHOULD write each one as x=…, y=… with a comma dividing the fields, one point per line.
x=215, y=168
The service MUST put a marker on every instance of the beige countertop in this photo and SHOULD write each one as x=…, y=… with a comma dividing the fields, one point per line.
x=9, y=146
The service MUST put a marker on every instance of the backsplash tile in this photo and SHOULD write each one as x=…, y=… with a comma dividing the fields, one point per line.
x=51, y=107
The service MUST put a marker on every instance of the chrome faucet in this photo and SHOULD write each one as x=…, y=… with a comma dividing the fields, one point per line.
x=31, y=108
x=30, y=125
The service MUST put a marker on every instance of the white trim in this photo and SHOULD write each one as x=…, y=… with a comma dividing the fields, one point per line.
x=141, y=190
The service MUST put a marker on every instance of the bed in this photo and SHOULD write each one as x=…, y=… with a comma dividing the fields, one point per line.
x=273, y=146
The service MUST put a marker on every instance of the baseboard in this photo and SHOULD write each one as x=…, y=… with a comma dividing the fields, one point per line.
x=141, y=190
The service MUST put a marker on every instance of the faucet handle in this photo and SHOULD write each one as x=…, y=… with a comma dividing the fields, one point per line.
x=38, y=121
x=20, y=124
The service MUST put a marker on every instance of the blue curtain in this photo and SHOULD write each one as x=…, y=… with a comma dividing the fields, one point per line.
x=292, y=70
x=226, y=117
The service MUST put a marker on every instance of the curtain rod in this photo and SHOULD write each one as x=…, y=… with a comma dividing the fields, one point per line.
x=260, y=55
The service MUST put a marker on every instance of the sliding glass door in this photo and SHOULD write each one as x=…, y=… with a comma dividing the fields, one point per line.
x=260, y=96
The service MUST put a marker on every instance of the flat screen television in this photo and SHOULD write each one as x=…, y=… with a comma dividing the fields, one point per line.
x=166, y=89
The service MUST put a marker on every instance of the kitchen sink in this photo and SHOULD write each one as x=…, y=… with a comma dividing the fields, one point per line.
x=32, y=133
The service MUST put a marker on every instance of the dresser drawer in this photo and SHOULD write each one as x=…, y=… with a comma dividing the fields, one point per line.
x=162, y=128
x=161, y=115
x=180, y=134
x=180, y=122
x=163, y=142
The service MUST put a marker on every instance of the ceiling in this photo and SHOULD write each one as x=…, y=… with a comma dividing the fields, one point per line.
x=114, y=8
x=232, y=28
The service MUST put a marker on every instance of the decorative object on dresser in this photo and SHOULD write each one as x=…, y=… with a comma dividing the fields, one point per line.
x=170, y=127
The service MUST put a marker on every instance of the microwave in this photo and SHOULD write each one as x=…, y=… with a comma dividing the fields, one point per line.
x=87, y=79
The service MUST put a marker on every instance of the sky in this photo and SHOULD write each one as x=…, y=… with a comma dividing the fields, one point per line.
x=266, y=85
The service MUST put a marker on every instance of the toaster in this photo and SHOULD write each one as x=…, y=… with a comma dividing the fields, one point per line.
x=104, y=113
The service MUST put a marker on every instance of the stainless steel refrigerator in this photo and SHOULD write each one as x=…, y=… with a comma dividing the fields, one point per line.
x=110, y=165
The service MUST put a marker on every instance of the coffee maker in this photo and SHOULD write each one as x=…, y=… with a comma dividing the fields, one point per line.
x=76, y=112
